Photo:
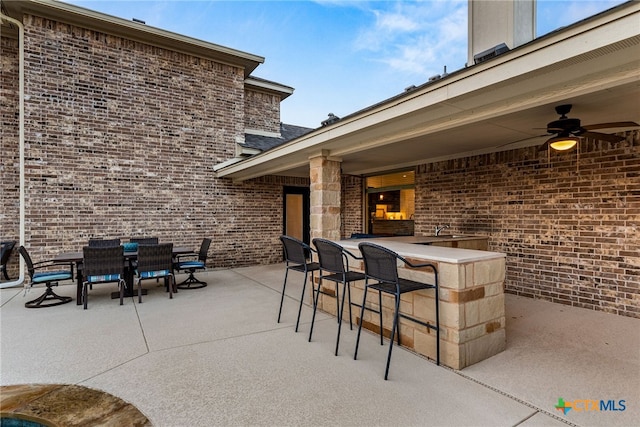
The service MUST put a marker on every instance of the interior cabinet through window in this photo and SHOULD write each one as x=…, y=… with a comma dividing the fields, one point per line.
x=390, y=203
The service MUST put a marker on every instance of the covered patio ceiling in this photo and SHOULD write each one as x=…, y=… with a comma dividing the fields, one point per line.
x=497, y=105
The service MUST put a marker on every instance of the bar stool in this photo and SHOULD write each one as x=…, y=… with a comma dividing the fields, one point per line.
x=334, y=266
x=381, y=266
x=297, y=255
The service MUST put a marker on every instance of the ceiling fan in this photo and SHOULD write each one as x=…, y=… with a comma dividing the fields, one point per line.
x=568, y=131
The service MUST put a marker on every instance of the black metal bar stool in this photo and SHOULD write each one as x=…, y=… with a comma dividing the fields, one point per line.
x=298, y=257
x=334, y=266
x=381, y=266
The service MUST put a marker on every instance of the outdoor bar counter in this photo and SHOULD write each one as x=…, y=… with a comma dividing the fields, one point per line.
x=472, y=312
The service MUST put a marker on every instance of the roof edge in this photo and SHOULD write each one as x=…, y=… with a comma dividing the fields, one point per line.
x=469, y=80
x=269, y=86
x=109, y=24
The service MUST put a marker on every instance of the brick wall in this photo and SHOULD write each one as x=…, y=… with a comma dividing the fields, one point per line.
x=352, y=205
x=571, y=231
x=121, y=138
x=246, y=221
x=262, y=111
x=9, y=167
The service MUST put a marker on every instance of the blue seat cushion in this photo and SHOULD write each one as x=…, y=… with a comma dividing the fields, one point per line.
x=104, y=278
x=150, y=274
x=130, y=247
x=191, y=264
x=51, y=276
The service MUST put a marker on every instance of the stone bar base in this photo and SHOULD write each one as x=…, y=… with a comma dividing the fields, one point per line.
x=472, y=312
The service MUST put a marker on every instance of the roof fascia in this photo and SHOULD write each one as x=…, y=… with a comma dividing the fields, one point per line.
x=268, y=86
x=87, y=18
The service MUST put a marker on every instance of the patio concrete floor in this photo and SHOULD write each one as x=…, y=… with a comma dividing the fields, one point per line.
x=216, y=357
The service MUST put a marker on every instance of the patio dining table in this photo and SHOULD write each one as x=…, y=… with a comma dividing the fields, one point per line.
x=77, y=257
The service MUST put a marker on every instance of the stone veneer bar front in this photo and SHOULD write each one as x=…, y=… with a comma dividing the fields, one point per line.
x=471, y=291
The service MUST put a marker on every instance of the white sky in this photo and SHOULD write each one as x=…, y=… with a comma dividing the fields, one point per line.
x=339, y=55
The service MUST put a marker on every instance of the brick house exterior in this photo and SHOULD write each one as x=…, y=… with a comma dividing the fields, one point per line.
x=122, y=136
x=120, y=140
x=571, y=231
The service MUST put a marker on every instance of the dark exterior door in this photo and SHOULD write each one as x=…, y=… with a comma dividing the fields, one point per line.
x=296, y=213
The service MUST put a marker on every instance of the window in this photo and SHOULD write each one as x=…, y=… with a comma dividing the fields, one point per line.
x=390, y=203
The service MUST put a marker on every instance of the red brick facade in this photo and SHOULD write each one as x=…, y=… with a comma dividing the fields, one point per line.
x=262, y=111
x=120, y=141
x=571, y=232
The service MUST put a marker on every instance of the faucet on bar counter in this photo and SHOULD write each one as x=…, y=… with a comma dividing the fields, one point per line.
x=440, y=228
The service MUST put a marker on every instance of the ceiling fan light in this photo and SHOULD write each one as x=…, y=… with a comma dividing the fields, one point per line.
x=562, y=143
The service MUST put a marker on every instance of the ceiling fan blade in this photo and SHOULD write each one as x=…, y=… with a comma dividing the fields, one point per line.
x=529, y=138
x=602, y=136
x=611, y=125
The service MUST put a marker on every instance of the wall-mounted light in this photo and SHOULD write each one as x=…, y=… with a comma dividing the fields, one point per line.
x=381, y=196
x=562, y=143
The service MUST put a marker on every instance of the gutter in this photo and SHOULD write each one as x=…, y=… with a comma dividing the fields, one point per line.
x=86, y=18
x=20, y=279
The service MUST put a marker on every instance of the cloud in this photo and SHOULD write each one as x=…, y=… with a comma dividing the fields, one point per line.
x=395, y=22
x=416, y=38
x=553, y=14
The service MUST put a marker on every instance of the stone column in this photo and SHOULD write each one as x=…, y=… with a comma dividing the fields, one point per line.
x=325, y=196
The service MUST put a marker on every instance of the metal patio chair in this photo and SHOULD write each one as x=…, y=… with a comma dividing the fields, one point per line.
x=132, y=246
x=193, y=265
x=5, y=255
x=145, y=240
x=381, y=271
x=39, y=273
x=103, y=243
x=298, y=257
x=334, y=266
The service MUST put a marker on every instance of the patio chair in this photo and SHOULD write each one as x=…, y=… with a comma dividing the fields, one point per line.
x=144, y=240
x=102, y=265
x=48, y=277
x=334, y=266
x=381, y=267
x=154, y=262
x=103, y=243
x=134, y=242
x=192, y=265
x=100, y=243
x=298, y=257
x=5, y=255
